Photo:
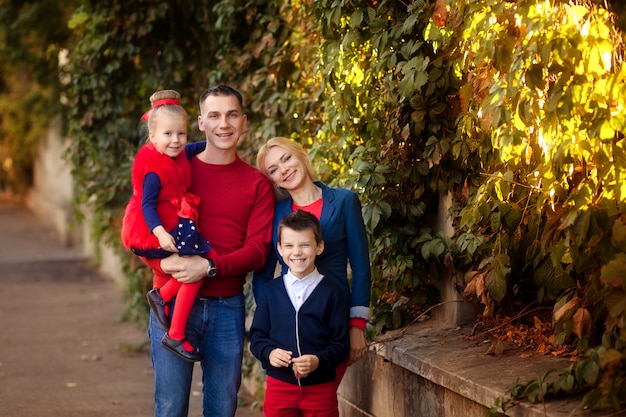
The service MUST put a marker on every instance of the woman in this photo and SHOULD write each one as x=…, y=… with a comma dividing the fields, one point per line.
x=289, y=168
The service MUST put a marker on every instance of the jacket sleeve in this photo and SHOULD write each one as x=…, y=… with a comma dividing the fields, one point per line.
x=338, y=346
x=260, y=343
x=192, y=149
x=358, y=256
x=149, y=198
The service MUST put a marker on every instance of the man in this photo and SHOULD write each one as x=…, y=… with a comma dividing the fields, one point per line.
x=235, y=215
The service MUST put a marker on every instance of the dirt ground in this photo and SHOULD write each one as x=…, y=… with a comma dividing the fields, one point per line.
x=63, y=350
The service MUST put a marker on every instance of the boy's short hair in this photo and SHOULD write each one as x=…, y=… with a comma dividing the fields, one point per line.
x=301, y=220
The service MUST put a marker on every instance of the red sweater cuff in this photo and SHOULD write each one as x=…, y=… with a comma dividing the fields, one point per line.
x=359, y=322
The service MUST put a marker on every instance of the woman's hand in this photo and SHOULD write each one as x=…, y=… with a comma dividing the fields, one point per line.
x=358, y=347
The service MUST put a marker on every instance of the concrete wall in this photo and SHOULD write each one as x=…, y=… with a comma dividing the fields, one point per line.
x=434, y=370
x=378, y=387
x=51, y=200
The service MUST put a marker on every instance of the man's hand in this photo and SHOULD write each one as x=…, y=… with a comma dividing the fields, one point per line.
x=185, y=269
x=304, y=365
x=280, y=358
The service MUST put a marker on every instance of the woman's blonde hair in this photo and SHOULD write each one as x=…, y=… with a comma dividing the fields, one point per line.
x=290, y=146
x=171, y=108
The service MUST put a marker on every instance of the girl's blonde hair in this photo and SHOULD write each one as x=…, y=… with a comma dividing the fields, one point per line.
x=170, y=108
x=290, y=146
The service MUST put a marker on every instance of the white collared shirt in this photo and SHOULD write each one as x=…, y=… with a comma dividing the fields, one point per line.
x=299, y=289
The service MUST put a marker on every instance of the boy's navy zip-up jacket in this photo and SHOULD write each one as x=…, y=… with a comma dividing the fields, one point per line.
x=320, y=328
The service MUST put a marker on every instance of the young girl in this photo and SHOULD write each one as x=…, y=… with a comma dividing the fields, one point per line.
x=160, y=218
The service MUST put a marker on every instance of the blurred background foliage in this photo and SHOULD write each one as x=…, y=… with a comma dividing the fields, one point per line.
x=513, y=112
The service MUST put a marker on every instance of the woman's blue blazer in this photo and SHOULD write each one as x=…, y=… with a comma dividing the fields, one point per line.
x=345, y=241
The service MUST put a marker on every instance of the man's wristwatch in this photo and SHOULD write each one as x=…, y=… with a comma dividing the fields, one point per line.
x=211, y=270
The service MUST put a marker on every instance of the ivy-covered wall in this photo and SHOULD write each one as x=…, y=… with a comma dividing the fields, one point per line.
x=515, y=108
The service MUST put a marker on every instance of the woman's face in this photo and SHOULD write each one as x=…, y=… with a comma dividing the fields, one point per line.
x=285, y=169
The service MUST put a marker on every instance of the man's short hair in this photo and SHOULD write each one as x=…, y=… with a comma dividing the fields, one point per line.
x=221, y=90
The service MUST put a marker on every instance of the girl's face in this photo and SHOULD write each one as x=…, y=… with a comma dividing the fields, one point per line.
x=170, y=134
x=285, y=169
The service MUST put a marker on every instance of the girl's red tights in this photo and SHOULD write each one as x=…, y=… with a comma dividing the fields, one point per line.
x=185, y=297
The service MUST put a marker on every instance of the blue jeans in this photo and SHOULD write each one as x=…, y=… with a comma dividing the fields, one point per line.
x=216, y=328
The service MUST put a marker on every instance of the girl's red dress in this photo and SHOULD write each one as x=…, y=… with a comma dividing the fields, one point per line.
x=175, y=178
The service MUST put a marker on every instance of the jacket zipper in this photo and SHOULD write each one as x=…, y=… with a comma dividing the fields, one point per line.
x=298, y=339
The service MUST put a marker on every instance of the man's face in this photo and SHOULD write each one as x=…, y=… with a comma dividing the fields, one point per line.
x=222, y=121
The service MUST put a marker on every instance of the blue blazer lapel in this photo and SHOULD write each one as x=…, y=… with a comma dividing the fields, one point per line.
x=329, y=206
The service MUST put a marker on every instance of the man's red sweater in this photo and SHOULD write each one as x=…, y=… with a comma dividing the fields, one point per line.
x=235, y=214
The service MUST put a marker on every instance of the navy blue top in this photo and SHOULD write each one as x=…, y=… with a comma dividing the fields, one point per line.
x=152, y=187
x=150, y=195
x=345, y=241
x=319, y=328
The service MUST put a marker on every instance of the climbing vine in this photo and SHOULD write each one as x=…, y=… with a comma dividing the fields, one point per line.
x=543, y=122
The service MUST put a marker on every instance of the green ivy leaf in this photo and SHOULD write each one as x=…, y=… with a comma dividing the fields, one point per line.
x=612, y=273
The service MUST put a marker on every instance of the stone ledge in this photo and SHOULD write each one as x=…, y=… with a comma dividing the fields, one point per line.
x=454, y=375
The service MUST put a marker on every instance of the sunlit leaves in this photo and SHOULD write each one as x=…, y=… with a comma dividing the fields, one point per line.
x=554, y=113
x=386, y=105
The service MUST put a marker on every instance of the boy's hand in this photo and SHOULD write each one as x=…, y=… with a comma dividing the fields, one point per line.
x=304, y=365
x=166, y=241
x=280, y=358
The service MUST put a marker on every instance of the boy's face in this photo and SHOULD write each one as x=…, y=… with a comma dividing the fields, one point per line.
x=298, y=250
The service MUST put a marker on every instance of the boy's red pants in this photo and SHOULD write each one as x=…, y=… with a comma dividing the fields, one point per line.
x=288, y=400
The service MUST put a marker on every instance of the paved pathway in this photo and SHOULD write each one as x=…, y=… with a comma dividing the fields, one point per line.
x=63, y=350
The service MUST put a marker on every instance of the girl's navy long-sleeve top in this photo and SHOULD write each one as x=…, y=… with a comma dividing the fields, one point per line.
x=319, y=328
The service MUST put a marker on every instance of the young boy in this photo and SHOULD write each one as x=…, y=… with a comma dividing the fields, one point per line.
x=300, y=327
